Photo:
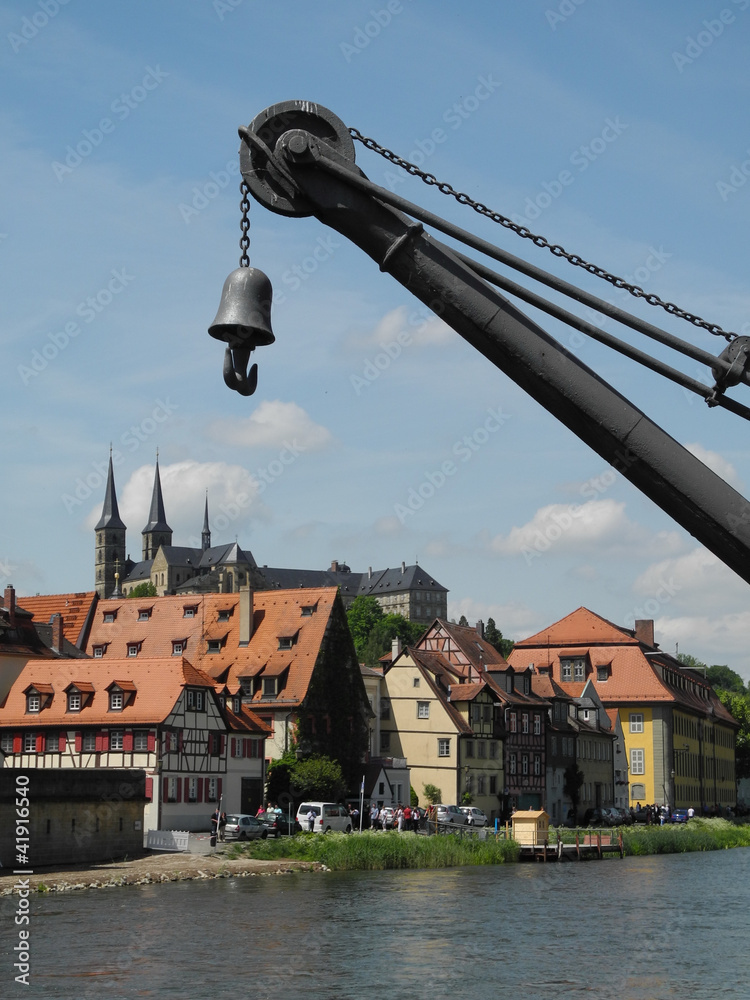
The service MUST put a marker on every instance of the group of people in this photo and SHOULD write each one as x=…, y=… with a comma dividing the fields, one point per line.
x=401, y=818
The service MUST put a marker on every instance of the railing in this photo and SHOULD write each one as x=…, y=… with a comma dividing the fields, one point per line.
x=167, y=840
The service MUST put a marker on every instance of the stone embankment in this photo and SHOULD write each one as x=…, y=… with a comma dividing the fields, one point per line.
x=153, y=868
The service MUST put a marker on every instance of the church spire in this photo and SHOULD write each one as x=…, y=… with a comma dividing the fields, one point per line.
x=206, y=533
x=110, y=539
x=157, y=532
x=110, y=514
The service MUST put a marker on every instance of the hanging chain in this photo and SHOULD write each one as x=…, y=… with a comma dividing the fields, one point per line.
x=540, y=241
x=245, y=225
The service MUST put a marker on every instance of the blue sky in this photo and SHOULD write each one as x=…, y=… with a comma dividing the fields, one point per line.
x=619, y=131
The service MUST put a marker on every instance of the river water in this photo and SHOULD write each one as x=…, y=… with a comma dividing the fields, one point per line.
x=634, y=929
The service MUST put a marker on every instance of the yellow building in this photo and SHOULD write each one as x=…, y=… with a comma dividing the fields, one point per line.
x=679, y=738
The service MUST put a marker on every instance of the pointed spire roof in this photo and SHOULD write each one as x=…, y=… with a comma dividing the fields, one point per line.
x=110, y=514
x=205, y=515
x=157, y=519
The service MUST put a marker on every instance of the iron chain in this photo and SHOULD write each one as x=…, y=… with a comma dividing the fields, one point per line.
x=540, y=241
x=245, y=225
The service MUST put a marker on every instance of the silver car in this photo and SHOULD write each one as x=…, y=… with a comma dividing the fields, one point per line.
x=451, y=815
x=241, y=826
x=474, y=816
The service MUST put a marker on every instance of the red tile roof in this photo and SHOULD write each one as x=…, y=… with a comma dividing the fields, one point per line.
x=74, y=608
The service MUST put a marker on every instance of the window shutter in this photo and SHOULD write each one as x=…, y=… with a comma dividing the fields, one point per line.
x=150, y=789
x=165, y=790
x=151, y=742
x=179, y=741
x=186, y=791
x=105, y=740
x=40, y=742
x=17, y=742
x=223, y=745
x=200, y=789
x=127, y=740
x=234, y=747
x=79, y=742
x=178, y=782
x=61, y=741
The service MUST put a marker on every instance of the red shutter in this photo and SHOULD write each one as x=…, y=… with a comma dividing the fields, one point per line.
x=151, y=742
x=105, y=740
x=234, y=746
x=150, y=789
x=127, y=741
x=98, y=742
x=40, y=742
x=17, y=742
x=61, y=741
x=200, y=789
x=165, y=790
x=179, y=741
x=79, y=742
x=179, y=790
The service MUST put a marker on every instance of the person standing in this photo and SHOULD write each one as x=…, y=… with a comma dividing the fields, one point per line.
x=311, y=817
x=400, y=819
x=222, y=826
x=215, y=817
x=374, y=813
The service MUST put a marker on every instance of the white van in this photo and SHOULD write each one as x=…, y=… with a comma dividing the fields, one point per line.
x=329, y=816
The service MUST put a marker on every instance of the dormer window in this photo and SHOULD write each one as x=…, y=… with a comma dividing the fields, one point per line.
x=178, y=647
x=269, y=687
x=214, y=646
x=74, y=701
x=237, y=705
x=144, y=614
x=99, y=650
x=189, y=611
x=116, y=700
x=224, y=615
x=195, y=700
x=134, y=648
x=109, y=616
x=307, y=610
x=286, y=641
x=33, y=702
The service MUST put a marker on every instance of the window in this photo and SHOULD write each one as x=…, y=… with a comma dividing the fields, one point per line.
x=99, y=651
x=171, y=742
x=6, y=743
x=74, y=701
x=487, y=713
x=192, y=795
x=524, y=722
x=213, y=646
x=537, y=764
x=223, y=616
x=512, y=722
x=524, y=763
x=415, y=682
x=177, y=647
x=115, y=701
x=385, y=708
x=237, y=748
x=537, y=724
x=133, y=648
x=578, y=670
x=481, y=748
x=512, y=763
x=144, y=614
x=195, y=700
x=567, y=670
x=236, y=705
x=140, y=739
x=602, y=673
x=637, y=762
x=286, y=642
x=385, y=741
x=423, y=709
x=480, y=784
x=109, y=616
x=214, y=744
x=493, y=749
x=307, y=610
x=269, y=687
x=29, y=742
x=211, y=789
x=444, y=748
x=476, y=713
x=189, y=611
x=636, y=722
x=115, y=739
x=493, y=784
x=172, y=789
x=33, y=703
x=88, y=742
x=469, y=748
x=52, y=743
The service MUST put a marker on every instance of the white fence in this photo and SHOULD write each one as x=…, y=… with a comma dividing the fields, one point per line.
x=167, y=840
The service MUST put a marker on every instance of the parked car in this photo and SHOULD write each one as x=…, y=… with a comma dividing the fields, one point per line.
x=329, y=816
x=596, y=817
x=451, y=815
x=474, y=816
x=679, y=815
x=240, y=826
x=390, y=816
x=278, y=823
x=623, y=816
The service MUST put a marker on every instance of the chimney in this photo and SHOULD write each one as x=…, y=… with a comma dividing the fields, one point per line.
x=369, y=572
x=395, y=647
x=56, y=621
x=334, y=566
x=644, y=631
x=480, y=628
x=246, y=615
x=403, y=567
x=9, y=603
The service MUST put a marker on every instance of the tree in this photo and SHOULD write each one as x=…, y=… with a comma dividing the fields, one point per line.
x=433, y=794
x=373, y=631
x=463, y=620
x=363, y=615
x=722, y=678
x=413, y=797
x=146, y=589
x=318, y=778
x=739, y=706
x=691, y=663
x=494, y=637
x=573, y=779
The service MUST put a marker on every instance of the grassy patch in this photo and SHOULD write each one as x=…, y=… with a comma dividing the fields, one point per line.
x=381, y=851
x=696, y=835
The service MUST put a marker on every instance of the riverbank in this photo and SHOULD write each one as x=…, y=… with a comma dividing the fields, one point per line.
x=150, y=869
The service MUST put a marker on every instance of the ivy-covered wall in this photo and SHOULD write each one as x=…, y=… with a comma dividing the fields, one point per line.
x=333, y=718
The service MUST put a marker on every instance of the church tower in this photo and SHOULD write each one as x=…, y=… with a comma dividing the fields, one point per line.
x=206, y=533
x=110, y=540
x=157, y=532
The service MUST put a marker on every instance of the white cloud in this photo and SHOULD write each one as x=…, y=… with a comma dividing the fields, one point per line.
x=232, y=501
x=702, y=581
x=711, y=639
x=594, y=525
x=273, y=425
x=404, y=327
x=717, y=463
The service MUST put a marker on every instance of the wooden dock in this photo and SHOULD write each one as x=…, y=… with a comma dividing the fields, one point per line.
x=588, y=844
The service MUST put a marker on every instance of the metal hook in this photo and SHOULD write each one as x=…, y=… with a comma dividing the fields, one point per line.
x=236, y=375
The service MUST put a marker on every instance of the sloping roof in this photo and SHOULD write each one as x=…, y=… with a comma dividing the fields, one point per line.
x=580, y=627
x=157, y=681
x=275, y=613
x=75, y=609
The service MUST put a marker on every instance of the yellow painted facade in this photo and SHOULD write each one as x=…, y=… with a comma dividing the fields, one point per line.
x=638, y=729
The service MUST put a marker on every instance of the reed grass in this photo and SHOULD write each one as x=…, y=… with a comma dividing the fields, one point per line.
x=382, y=851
